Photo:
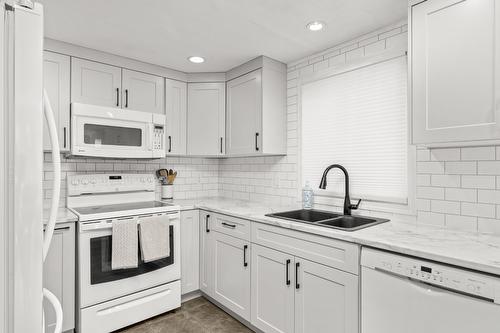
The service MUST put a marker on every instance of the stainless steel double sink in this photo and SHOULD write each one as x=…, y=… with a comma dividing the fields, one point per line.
x=329, y=219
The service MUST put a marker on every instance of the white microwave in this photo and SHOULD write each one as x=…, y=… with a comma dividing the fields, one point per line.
x=99, y=131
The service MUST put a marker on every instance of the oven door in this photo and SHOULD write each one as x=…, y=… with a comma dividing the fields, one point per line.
x=99, y=283
x=109, y=132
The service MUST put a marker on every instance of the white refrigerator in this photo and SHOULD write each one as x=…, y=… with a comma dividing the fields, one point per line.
x=22, y=243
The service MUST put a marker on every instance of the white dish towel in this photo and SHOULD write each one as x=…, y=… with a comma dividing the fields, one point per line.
x=124, y=244
x=154, y=233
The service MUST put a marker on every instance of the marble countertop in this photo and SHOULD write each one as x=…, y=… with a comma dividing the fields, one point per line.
x=475, y=251
x=64, y=215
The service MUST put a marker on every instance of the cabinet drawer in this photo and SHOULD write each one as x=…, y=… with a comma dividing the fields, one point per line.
x=231, y=226
x=334, y=253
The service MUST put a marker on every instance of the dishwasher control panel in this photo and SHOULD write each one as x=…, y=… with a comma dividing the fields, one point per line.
x=441, y=275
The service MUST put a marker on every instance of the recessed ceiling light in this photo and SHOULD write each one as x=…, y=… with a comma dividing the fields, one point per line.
x=196, y=59
x=316, y=26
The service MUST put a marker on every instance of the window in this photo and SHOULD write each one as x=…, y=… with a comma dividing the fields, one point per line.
x=358, y=118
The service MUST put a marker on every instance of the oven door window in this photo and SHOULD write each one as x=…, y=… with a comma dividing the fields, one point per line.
x=103, y=135
x=100, y=261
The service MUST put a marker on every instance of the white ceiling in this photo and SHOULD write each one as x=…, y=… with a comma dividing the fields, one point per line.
x=225, y=32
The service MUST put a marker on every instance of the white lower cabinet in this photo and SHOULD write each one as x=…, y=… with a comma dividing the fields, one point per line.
x=206, y=254
x=326, y=299
x=232, y=273
x=190, y=251
x=59, y=276
x=273, y=284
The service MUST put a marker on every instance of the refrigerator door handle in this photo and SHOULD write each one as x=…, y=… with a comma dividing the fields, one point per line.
x=49, y=231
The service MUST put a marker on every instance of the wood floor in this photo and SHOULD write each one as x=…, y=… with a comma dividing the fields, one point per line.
x=195, y=316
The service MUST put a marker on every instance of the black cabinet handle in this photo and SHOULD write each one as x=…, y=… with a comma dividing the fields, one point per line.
x=169, y=143
x=117, y=97
x=221, y=145
x=64, y=137
x=288, y=272
x=297, y=285
x=229, y=225
x=257, y=141
x=245, y=247
x=126, y=98
x=206, y=223
x=61, y=229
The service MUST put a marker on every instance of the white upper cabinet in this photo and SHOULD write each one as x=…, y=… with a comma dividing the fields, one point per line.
x=176, y=112
x=142, y=92
x=455, y=71
x=56, y=81
x=206, y=119
x=244, y=113
x=256, y=108
x=95, y=83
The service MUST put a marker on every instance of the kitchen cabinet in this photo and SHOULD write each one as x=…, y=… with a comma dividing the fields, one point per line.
x=256, y=109
x=176, y=113
x=190, y=251
x=273, y=290
x=232, y=273
x=142, y=92
x=59, y=276
x=206, y=254
x=56, y=81
x=95, y=83
x=455, y=71
x=206, y=119
x=326, y=299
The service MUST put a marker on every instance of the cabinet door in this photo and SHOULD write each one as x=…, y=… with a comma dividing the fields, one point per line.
x=206, y=118
x=142, y=92
x=232, y=274
x=206, y=255
x=59, y=276
x=190, y=251
x=56, y=81
x=272, y=290
x=244, y=114
x=95, y=83
x=326, y=299
x=176, y=111
x=455, y=70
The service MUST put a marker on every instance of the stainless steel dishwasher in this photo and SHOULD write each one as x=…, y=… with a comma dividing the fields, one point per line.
x=402, y=294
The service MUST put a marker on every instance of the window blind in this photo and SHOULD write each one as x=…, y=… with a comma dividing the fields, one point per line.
x=358, y=119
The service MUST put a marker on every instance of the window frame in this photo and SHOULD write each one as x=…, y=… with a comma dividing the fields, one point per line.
x=331, y=198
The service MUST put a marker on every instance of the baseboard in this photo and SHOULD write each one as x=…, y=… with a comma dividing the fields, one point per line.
x=191, y=295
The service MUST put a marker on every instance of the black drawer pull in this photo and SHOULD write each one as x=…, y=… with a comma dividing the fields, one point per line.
x=206, y=223
x=229, y=225
x=245, y=247
x=288, y=261
x=297, y=285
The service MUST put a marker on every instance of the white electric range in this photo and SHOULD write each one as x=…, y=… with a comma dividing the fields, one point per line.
x=111, y=299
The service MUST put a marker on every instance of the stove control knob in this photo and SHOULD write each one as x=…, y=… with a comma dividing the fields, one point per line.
x=143, y=180
x=85, y=181
x=93, y=181
x=75, y=182
x=150, y=180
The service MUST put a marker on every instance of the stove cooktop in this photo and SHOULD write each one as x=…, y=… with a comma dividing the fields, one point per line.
x=122, y=209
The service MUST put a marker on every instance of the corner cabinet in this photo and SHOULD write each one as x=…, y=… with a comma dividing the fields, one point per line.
x=176, y=113
x=256, y=109
x=56, y=81
x=59, y=276
x=455, y=71
x=206, y=119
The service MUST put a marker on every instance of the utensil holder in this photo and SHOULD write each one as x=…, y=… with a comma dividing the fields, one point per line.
x=167, y=191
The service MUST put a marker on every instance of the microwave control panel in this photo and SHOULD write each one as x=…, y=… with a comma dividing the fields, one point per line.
x=158, y=137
